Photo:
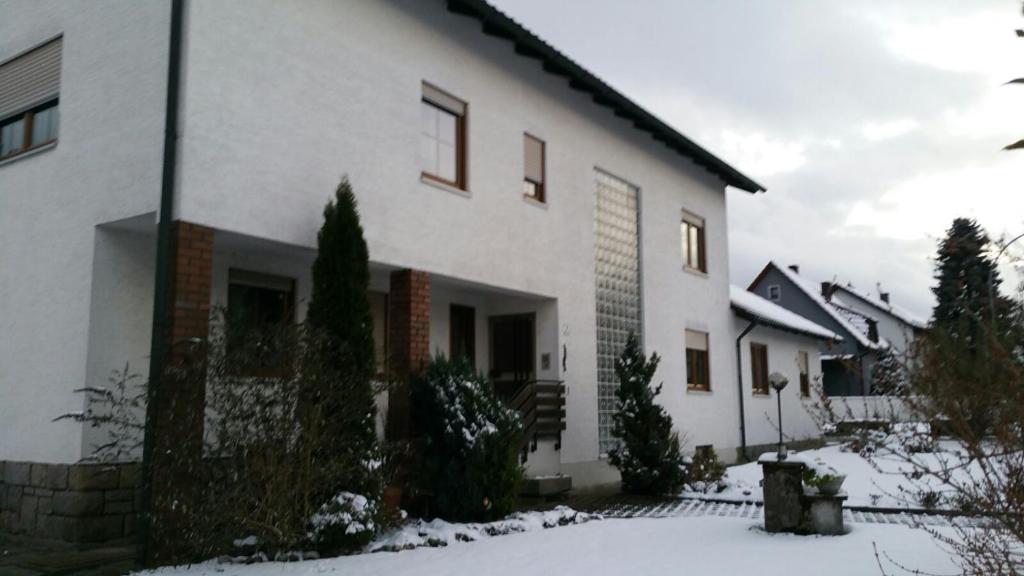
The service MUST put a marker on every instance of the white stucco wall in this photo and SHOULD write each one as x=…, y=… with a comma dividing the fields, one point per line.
x=105, y=167
x=282, y=99
x=761, y=410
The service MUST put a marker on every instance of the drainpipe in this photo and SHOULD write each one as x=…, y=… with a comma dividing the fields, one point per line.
x=739, y=380
x=158, y=346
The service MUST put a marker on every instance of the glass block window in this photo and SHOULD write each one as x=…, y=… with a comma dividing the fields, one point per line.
x=617, y=277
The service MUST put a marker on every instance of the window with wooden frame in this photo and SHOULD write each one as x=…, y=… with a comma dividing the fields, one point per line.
x=258, y=305
x=803, y=364
x=534, y=167
x=29, y=99
x=462, y=334
x=698, y=369
x=759, y=368
x=443, y=137
x=694, y=253
x=379, y=313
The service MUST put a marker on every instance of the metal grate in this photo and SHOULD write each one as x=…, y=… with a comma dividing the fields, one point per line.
x=617, y=277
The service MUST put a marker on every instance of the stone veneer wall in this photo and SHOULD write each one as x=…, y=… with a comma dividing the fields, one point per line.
x=70, y=502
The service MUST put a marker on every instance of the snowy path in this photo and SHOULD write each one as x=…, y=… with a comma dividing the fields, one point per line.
x=648, y=546
x=754, y=511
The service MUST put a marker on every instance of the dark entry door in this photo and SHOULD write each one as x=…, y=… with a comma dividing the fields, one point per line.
x=512, y=352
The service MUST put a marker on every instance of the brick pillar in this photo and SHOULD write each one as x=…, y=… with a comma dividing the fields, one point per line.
x=408, y=342
x=178, y=429
x=190, y=284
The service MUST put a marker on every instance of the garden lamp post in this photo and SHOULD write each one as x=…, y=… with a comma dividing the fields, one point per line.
x=778, y=382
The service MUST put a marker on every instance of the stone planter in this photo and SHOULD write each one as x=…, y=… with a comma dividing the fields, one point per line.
x=833, y=486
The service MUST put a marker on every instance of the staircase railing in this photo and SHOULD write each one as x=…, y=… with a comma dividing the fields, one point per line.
x=541, y=404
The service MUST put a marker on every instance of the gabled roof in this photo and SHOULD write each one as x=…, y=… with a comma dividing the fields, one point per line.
x=527, y=44
x=814, y=294
x=893, y=310
x=753, y=307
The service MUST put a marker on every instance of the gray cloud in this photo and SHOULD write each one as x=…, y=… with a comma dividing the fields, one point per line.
x=807, y=75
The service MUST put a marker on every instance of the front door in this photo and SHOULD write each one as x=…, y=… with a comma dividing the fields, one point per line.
x=512, y=352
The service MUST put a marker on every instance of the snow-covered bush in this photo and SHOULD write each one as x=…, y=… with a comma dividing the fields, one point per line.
x=705, y=471
x=346, y=522
x=468, y=466
x=648, y=457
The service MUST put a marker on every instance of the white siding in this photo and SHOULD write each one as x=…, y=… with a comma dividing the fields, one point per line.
x=105, y=167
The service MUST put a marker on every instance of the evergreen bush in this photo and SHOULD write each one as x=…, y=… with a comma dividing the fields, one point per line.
x=648, y=457
x=469, y=462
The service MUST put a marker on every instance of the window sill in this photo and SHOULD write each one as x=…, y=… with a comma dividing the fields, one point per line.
x=29, y=152
x=695, y=272
x=425, y=179
x=535, y=202
x=757, y=394
x=698, y=389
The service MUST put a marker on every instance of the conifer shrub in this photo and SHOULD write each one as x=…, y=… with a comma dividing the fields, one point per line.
x=648, y=456
x=468, y=462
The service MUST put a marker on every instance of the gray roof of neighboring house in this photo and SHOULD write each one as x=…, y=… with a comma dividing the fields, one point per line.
x=527, y=44
x=753, y=307
x=894, y=310
x=856, y=328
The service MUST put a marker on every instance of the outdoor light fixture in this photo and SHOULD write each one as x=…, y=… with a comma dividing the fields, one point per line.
x=778, y=382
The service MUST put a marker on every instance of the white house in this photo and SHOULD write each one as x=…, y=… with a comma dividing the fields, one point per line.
x=518, y=210
x=773, y=340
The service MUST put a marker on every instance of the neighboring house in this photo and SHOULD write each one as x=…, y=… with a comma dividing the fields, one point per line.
x=846, y=365
x=895, y=324
x=771, y=339
x=518, y=211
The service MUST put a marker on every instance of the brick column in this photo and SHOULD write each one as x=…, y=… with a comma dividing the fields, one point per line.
x=178, y=429
x=408, y=342
x=190, y=284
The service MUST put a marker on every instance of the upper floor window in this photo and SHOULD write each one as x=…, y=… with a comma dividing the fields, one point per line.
x=533, y=177
x=759, y=368
x=774, y=292
x=694, y=255
x=443, y=137
x=29, y=92
x=698, y=371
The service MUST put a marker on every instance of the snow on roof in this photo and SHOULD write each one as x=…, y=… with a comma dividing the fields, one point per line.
x=814, y=294
x=894, y=310
x=775, y=315
x=859, y=320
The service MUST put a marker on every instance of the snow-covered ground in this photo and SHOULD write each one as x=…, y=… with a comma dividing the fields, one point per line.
x=881, y=485
x=652, y=547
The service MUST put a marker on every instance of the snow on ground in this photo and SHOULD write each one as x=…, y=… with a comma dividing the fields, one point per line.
x=865, y=485
x=652, y=547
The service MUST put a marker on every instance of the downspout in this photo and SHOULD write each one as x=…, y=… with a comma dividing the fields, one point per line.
x=158, y=345
x=739, y=380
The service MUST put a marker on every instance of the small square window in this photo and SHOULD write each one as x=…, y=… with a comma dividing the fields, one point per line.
x=774, y=292
x=694, y=254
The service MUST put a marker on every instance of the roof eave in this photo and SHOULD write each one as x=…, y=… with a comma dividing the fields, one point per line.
x=748, y=315
x=496, y=23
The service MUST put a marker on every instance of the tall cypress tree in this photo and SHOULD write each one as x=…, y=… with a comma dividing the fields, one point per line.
x=649, y=458
x=340, y=316
x=963, y=272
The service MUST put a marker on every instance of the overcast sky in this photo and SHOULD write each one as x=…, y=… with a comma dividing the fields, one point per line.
x=872, y=124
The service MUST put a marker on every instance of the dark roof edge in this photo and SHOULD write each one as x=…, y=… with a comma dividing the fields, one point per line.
x=528, y=44
x=748, y=315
